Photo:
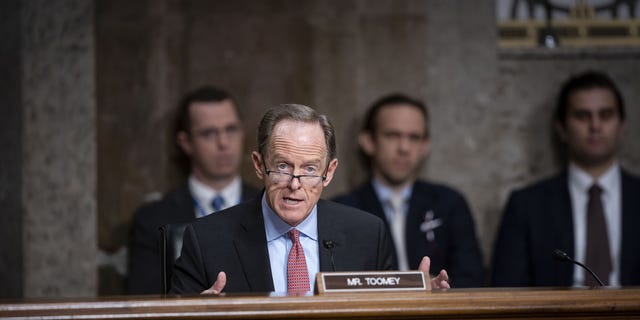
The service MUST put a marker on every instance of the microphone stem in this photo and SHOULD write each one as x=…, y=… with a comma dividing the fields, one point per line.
x=333, y=265
x=593, y=274
x=329, y=245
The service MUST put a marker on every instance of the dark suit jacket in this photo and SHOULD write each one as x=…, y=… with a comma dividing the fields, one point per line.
x=145, y=268
x=234, y=241
x=538, y=219
x=455, y=247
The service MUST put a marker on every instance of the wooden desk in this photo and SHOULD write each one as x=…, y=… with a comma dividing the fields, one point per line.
x=452, y=304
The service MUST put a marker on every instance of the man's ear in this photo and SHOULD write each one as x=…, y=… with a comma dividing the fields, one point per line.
x=365, y=140
x=256, y=158
x=331, y=169
x=182, y=138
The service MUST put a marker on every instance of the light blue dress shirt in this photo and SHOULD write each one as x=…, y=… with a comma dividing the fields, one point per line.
x=384, y=194
x=279, y=245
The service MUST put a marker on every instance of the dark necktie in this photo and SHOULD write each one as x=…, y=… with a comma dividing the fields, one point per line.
x=217, y=203
x=598, y=256
x=297, y=273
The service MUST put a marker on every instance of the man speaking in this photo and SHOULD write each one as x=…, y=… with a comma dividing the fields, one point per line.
x=279, y=241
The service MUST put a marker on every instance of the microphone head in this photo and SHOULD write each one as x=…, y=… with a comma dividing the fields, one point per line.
x=561, y=255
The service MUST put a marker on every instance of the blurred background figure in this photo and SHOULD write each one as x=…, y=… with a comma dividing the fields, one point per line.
x=425, y=219
x=209, y=132
x=589, y=210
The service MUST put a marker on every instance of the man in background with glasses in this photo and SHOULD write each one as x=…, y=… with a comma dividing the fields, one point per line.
x=280, y=241
x=209, y=136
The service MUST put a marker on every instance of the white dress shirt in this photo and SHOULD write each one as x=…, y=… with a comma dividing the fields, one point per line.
x=579, y=184
x=203, y=194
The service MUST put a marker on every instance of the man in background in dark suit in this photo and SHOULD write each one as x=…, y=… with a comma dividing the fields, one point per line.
x=590, y=210
x=425, y=219
x=280, y=241
x=209, y=133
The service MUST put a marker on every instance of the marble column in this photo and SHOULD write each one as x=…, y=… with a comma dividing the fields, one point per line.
x=58, y=148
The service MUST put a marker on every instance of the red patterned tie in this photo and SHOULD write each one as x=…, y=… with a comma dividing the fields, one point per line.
x=297, y=274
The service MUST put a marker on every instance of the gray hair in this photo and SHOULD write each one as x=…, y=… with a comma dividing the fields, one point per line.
x=295, y=112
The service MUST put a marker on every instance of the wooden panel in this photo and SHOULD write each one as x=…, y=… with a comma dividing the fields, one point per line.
x=458, y=304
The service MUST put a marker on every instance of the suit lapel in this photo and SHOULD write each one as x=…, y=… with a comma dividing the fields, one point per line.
x=420, y=203
x=561, y=217
x=252, y=250
x=371, y=203
x=327, y=231
x=630, y=245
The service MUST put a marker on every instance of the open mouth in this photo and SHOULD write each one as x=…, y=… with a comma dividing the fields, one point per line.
x=291, y=201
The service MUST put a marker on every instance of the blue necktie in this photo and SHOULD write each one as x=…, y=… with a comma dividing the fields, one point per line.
x=217, y=203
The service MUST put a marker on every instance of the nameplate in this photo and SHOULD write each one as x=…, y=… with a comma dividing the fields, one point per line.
x=371, y=281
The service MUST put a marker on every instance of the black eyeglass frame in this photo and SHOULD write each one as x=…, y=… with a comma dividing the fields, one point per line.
x=292, y=176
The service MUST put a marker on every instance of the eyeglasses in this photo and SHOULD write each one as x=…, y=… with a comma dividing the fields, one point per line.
x=307, y=180
x=231, y=131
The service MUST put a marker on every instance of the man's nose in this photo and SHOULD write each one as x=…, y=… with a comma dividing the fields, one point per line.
x=595, y=123
x=404, y=143
x=222, y=138
x=294, y=183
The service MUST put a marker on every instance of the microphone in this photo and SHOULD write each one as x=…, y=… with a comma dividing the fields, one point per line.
x=330, y=245
x=564, y=257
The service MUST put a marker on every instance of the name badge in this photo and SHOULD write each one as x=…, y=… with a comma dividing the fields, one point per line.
x=371, y=281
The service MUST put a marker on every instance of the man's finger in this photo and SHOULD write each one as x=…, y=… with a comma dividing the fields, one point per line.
x=441, y=281
x=218, y=285
x=425, y=265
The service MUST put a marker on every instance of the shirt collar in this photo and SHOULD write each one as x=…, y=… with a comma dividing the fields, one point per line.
x=276, y=227
x=610, y=179
x=384, y=193
x=203, y=194
x=581, y=180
